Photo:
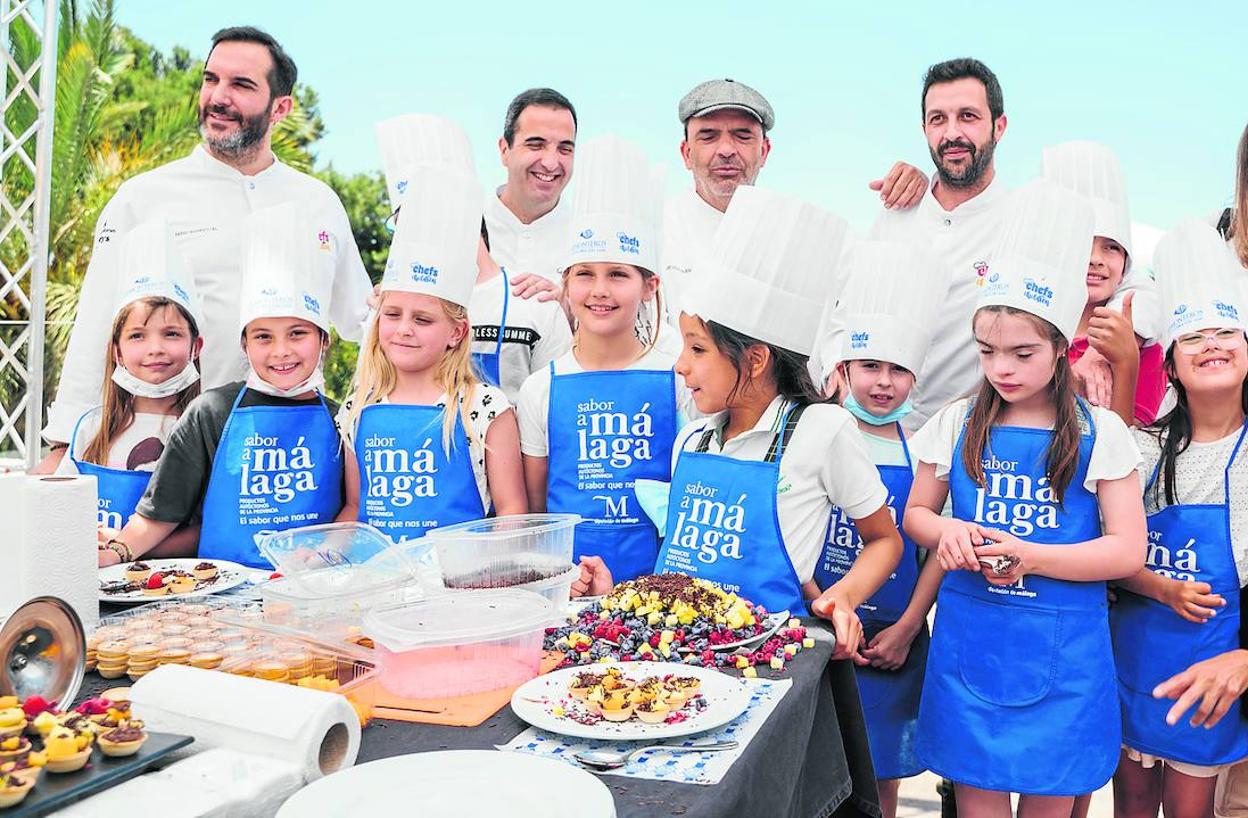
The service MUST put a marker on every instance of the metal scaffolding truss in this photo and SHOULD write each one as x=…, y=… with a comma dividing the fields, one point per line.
x=25, y=148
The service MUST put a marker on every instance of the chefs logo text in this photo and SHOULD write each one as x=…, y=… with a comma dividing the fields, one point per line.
x=424, y=275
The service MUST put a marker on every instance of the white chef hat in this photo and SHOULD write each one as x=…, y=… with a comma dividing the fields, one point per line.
x=1198, y=278
x=434, y=250
x=890, y=301
x=772, y=266
x=1091, y=170
x=1040, y=261
x=288, y=267
x=408, y=141
x=616, y=206
x=152, y=264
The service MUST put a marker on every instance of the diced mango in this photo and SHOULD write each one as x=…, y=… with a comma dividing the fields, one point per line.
x=749, y=673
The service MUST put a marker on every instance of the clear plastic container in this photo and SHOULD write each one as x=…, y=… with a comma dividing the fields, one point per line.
x=330, y=603
x=502, y=552
x=297, y=552
x=557, y=589
x=459, y=644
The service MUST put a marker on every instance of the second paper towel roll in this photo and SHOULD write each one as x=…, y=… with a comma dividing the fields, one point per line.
x=317, y=731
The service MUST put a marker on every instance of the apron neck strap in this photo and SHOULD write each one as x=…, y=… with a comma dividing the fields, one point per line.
x=905, y=449
x=781, y=440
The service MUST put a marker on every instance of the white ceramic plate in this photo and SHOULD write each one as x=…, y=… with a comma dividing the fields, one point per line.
x=449, y=784
x=229, y=575
x=535, y=701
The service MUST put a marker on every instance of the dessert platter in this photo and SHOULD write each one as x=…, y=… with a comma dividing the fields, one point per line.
x=675, y=618
x=633, y=700
x=147, y=580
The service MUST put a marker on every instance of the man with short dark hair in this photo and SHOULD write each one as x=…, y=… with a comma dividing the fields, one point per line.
x=958, y=220
x=206, y=196
x=526, y=219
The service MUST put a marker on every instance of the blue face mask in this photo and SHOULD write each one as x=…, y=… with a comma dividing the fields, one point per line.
x=859, y=411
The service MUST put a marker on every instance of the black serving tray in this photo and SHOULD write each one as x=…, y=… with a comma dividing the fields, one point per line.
x=57, y=790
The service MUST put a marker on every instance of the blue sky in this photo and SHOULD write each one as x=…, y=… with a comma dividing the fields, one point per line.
x=1166, y=88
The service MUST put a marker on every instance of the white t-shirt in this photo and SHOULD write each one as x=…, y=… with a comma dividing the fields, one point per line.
x=1114, y=453
x=824, y=464
x=539, y=247
x=488, y=403
x=535, y=398
x=207, y=203
x=537, y=332
x=1198, y=474
x=137, y=448
x=884, y=451
x=963, y=240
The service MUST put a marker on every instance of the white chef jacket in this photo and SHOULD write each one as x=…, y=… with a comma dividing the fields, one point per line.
x=206, y=202
x=689, y=225
x=537, y=332
x=963, y=239
x=539, y=247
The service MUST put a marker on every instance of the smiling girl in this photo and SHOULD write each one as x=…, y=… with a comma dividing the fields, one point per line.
x=150, y=376
x=429, y=444
x=1019, y=695
x=248, y=458
x=605, y=414
x=1183, y=607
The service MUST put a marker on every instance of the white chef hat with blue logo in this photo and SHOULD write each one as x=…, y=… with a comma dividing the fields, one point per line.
x=434, y=251
x=616, y=206
x=151, y=264
x=892, y=292
x=1040, y=261
x=1199, y=280
x=409, y=141
x=288, y=267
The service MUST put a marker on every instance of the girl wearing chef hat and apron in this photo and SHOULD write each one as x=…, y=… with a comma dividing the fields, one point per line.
x=1139, y=382
x=605, y=414
x=512, y=336
x=150, y=377
x=754, y=484
x=429, y=444
x=1183, y=607
x=264, y=455
x=888, y=308
x=1019, y=694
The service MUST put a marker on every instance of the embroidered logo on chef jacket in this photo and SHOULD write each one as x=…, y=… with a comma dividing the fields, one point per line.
x=273, y=473
x=396, y=476
x=708, y=525
x=1013, y=500
x=1174, y=562
x=981, y=270
x=323, y=238
x=424, y=275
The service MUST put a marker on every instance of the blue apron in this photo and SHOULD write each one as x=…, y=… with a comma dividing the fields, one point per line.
x=486, y=364
x=723, y=526
x=118, y=490
x=276, y=467
x=1020, y=693
x=409, y=483
x=890, y=698
x=606, y=430
x=1152, y=642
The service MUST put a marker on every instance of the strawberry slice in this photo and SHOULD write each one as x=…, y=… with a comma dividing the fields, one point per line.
x=156, y=580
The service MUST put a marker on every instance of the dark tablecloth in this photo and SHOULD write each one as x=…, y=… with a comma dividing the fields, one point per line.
x=809, y=760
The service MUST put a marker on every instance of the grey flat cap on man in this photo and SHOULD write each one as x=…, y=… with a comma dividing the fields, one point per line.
x=716, y=95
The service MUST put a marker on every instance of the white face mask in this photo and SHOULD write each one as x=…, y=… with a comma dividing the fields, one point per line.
x=314, y=381
x=142, y=389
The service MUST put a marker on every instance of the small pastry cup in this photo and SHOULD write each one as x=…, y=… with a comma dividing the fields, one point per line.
x=120, y=749
x=621, y=714
x=204, y=573
x=139, y=575
x=11, y=794
x=182, y=585
x=10, y=755
x=13, y=729
x=580, y=692
x=70, y=764
x=161, y=591
x=111, y=671
x=30, y=774
x=655, y=716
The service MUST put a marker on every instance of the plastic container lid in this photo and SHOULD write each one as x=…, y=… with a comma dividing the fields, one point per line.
x=296, y=552
x=456, y=619
x=501, y=528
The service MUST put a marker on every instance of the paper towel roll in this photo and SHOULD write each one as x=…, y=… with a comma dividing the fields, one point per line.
x=52, y=522
x=318, y=731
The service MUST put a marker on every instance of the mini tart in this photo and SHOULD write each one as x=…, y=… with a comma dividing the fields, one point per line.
x=183, y=585
x=12, y=722
x=161, y=590
x=205, y=570
x=206, y=660
x=584, y=682
x=652, y=712
x=622, y=713
x=111, y=671
x=138, y=571
x=122, y=741
x=70, y=764
x=14, y=747
x=13, y=789
x=25, y=769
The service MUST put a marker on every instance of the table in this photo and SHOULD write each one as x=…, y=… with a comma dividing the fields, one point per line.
x=809, y=760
